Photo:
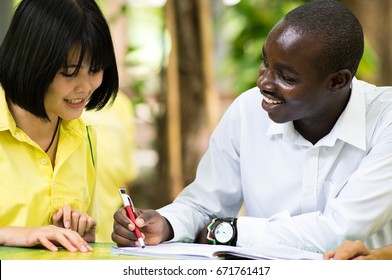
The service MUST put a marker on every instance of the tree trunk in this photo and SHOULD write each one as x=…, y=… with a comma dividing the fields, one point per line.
x=376, y=19
x=194, y=93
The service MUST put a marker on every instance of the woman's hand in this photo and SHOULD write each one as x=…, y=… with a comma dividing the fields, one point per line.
x=78, y=221
x=349, y=250
x=48, y=236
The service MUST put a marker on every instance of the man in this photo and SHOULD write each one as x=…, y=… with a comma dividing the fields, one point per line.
x=313, y=166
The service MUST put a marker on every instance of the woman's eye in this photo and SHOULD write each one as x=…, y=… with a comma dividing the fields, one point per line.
x=96, y=70
x=68, y=72
x=67, y=75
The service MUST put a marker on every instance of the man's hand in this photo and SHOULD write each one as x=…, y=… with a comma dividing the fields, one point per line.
x=153, y=227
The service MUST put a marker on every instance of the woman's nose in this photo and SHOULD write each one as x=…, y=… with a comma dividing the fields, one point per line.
x=84, y=83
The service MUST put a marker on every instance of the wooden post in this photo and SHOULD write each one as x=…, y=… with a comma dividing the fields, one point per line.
x=118, y=22
x=207, y=49
x=175, y=180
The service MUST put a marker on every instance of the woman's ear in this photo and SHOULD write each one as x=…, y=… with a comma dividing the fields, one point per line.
x=340, y=79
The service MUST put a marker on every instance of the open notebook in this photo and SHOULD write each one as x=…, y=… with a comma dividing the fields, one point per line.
x=202, y=251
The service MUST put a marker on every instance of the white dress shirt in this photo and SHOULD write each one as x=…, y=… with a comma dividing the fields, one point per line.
x=297, y=194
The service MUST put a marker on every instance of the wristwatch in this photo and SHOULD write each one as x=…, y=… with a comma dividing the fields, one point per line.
x=222, y=231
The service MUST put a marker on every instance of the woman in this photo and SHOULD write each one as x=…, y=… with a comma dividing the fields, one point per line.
x=356, y=250
x=57, y=59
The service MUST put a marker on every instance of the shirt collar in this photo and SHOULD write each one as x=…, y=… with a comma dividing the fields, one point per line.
x=349, y=128
x=6, y=120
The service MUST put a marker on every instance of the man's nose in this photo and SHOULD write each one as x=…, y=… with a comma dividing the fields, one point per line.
x=265, y=81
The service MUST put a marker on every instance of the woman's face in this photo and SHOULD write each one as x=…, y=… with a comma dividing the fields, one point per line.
x=68, y=94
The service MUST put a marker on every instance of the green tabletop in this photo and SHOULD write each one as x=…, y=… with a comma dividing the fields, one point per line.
x=101, y=251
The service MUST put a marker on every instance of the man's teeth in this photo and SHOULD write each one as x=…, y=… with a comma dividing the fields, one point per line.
x=74, y=101
x=270, y=101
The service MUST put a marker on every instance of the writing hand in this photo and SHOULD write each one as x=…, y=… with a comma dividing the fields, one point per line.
x=154, y=228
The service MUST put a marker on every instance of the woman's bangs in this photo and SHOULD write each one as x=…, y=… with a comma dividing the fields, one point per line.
x=99, y=51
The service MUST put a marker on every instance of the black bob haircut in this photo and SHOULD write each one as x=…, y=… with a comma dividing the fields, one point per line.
x=36, y=46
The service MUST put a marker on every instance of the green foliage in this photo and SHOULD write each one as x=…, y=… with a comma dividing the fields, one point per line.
x=246, y=26
x=369, y=65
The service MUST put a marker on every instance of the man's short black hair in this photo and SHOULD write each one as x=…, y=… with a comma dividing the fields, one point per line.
x=337, y=27
x=36, y=46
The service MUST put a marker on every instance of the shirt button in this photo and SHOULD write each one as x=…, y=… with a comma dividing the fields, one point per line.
x=44, y=161
x=54, y=185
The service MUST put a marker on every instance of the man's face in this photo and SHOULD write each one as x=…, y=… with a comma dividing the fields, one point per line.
x=290, y=79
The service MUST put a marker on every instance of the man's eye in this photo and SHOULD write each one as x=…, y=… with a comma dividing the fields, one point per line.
x=264, y=62
x=287, y=78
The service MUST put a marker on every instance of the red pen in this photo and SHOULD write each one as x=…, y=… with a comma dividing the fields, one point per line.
x=128, y=205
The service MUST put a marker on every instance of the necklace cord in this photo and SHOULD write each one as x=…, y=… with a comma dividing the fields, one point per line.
x=54, y=135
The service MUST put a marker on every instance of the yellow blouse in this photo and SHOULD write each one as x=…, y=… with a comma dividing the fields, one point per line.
x=30, y=189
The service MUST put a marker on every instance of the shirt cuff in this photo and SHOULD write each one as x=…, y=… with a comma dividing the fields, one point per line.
x=181, y=233
x=250, y=231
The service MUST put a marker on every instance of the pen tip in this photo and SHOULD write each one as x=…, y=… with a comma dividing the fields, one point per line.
x=141, y=242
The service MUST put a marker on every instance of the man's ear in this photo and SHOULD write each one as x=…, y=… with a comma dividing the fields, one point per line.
x=340, y=79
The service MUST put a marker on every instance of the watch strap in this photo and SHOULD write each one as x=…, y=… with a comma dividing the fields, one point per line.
x=210, y=232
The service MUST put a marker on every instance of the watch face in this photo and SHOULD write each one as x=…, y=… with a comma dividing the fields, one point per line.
x=224, y=232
